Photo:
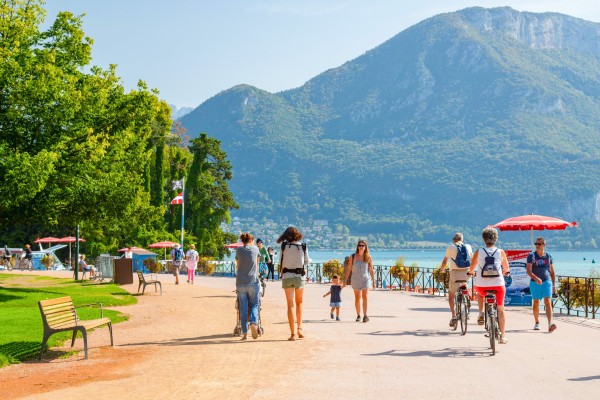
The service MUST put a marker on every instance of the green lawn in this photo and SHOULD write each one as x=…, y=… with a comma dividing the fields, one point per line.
x=21, y=328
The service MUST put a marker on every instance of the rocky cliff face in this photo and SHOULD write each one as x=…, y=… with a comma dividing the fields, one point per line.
x=537, y=31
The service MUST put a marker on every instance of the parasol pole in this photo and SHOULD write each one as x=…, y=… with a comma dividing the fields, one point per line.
x=533, y=247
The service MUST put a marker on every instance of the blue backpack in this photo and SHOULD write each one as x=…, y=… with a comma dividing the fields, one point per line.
x=178, y=255
x=462, y=256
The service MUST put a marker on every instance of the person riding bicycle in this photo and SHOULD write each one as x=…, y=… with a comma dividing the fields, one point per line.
x=490, y=264
x=458, y=259
x=28, y=255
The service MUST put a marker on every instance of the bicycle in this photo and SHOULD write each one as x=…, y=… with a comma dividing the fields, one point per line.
x=462, y=305
x=24, y=263
x=491, y=319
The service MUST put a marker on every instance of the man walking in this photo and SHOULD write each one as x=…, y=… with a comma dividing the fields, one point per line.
x=458, y=257
x=541, y=270
x=176, y=260
x=264, y=258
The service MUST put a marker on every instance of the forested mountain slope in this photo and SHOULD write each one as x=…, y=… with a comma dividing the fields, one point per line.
x=461, y=120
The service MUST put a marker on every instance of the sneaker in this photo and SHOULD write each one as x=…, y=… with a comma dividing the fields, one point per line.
x=365, y=319
x=552, y=328
x=331, y=315
x=536, y=327
x=358, y=318
x=337, y=319
x=453, y=322
x=480, y=319
x=254, y=331
x=502, y=339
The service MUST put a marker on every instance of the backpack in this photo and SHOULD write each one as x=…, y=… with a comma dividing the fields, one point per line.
x=288, y=244
x=489, y=269
x=178, y=255
x=462, y=256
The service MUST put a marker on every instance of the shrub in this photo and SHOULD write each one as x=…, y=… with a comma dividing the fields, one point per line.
x=205, y=266
x=404, y=273
x=47, y=261
x=333, y=267
x=442, y=277
x=152, y=265
x=574, y=291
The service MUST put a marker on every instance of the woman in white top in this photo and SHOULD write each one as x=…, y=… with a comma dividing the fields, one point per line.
x=293, y=259
x=191, y=262
x=491, y=261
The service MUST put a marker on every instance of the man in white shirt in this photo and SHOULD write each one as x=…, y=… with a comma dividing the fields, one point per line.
x=458, y=268
x=128, y=253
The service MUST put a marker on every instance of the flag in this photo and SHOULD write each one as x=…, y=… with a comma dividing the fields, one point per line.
x=178, y=199
x=177, y=185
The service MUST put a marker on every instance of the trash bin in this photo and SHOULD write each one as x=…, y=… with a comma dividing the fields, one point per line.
x=123, y=272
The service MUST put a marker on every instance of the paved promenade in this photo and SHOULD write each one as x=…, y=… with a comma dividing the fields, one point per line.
x=180, y=345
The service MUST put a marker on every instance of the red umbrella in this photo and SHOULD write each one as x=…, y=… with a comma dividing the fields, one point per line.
x=69, y=239
x=160, y=245
x=132, y=248
x=48, y=239
x=234, y=245
x=533, y=222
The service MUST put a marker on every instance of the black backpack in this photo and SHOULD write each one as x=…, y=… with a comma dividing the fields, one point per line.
x=462, y=256
x=489, y=269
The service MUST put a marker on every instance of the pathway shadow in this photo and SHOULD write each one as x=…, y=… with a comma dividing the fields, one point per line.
x=446, y=309
x=448, y=352
x=584, y=378
x=418, y=333
x=216, y=296
x=224, y=338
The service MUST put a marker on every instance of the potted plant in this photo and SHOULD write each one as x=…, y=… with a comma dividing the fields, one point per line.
x=153, y=266
x=333, y=267
x=205, y=266
x=47, y=261
x=442, y=277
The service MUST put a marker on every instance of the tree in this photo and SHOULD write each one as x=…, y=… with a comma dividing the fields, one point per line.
x=208, y=199
x=74, y=144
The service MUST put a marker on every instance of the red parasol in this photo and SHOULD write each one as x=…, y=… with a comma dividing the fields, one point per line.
x=234, y=245
x=533, y=223
x=132, y=248
x=160, y=245
x=48, y=239
x=69, y=239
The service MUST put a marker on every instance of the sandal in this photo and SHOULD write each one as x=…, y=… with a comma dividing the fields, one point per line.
x=300, y=335
x=292, y=337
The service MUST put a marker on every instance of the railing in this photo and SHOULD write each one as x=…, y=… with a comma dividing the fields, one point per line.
x=576, y=295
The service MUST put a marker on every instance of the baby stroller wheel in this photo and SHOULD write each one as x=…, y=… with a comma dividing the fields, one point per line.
x=237, y=331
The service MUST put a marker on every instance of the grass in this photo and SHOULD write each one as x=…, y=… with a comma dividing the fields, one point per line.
x=21, y=328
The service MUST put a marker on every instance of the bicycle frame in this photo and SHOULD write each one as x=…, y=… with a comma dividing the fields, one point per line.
x=491, y=320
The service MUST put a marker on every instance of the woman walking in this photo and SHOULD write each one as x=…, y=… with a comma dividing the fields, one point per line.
x=363, y=277
x=247, y=259
x=191, y=262
x=293, y=259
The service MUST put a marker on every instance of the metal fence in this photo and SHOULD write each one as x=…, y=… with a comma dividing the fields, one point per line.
x=578, y=296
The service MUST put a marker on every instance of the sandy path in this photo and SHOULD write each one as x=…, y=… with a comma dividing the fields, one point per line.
x=179, y=345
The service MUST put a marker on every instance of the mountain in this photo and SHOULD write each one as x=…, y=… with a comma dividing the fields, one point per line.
x=178, y=112
x=461, y=120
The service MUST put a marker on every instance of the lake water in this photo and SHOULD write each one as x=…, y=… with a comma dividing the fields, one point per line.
x=565, y=262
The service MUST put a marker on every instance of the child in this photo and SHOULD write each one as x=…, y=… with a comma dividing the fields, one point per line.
x=336, y=298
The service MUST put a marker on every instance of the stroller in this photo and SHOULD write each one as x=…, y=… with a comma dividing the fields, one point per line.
x=237, y=331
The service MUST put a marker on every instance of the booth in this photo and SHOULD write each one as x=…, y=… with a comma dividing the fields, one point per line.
x=139, y=255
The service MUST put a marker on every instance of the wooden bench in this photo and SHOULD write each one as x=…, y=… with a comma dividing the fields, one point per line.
x=60, y=315
x=143, y=281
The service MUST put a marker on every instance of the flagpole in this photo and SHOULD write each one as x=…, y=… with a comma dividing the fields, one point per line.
x=182, y=208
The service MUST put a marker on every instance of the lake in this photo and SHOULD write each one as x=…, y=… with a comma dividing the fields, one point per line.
x=565, y=262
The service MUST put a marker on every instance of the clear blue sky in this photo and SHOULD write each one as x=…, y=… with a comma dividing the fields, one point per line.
x=191, y=50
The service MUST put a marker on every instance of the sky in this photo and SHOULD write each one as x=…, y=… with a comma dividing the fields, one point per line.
x=192, y=50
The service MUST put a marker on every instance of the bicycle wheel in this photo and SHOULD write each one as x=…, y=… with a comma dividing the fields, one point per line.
x=456, y=311
x=492, y=330
x=464, y=312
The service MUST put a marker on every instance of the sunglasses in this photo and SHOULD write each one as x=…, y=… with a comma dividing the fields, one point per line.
x=540, y=244
x=361, y=245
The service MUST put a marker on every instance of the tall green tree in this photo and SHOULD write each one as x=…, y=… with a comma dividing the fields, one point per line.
x=207, y=196
x=74, y=145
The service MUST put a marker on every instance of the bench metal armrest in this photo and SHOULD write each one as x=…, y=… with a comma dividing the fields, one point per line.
x=92, y=305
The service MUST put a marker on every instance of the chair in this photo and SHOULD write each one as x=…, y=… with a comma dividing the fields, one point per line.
x=143, y=281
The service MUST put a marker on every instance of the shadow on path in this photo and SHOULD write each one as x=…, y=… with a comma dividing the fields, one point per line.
x=584, y=378
x=454, y=352
x=202, y=340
